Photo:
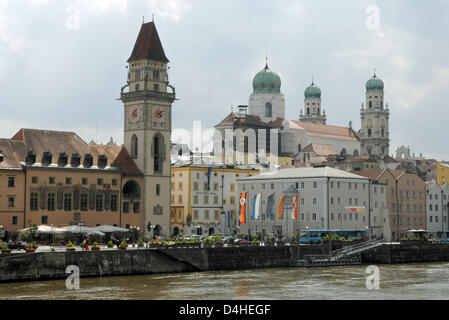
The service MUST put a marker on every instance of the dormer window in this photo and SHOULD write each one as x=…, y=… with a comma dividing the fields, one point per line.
x=88, y=160
x=2, y=157
x=102, y=161
x=31, y=157
x=76, y=160
x=62, y=159
x=47, y=158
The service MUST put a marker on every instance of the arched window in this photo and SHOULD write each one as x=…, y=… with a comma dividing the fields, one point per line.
x=370, y=104
x=318, y=112
x=268, y=110
x=158, y=153
x=356, y=152
x=308, y=111
x=134, y=147
x=343, y=152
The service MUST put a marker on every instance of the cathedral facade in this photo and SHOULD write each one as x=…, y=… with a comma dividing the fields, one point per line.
x=266, y=110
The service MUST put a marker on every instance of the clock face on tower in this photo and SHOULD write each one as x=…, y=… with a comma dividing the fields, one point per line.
x=134, y=117
x=160, y=117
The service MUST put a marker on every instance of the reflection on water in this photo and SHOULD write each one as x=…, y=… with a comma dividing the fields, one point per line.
x=407, y=281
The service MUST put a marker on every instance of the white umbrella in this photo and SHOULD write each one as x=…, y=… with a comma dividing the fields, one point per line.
x=96, y=232
x=109, y=229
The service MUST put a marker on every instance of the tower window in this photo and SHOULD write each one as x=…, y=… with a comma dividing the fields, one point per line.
x=383, y=132
x=370, y=104
x=308, y=111
x=158, y=151
x=268, y=110
x=318, y=111
x=137, y=87
x=134, y=147
x=156, y=87
x=369, y=132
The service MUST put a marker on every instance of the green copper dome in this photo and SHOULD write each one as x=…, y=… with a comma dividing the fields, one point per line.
x=267, y=81
x=312, y=92
x=375, y=84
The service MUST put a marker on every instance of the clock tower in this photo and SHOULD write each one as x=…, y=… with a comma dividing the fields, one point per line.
x=147, y=99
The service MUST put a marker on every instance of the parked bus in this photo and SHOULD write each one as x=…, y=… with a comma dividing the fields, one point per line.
x=317, y=236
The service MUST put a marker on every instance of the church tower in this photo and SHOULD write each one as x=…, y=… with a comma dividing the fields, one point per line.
x=374, y=133
x=313, y=111
x=148, y=124
x=267, y=102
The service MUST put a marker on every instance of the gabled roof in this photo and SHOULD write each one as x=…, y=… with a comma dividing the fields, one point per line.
x=325, y=131
x=248, y=120
x=148, y=45
x=371, y=174
x=321, y=149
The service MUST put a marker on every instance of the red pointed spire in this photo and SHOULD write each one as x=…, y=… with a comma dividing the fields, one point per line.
x=148, y=45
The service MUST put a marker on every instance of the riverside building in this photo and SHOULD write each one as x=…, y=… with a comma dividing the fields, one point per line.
x=56, y=178
x=328, y=199
x=204, y=198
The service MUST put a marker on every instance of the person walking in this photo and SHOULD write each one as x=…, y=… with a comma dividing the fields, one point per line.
x=87, y=245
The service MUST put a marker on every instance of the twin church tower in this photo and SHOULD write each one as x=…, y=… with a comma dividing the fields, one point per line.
x=268, y=103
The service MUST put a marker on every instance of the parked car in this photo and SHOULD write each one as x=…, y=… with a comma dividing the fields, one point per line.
x=240, y=241
x=17, y=245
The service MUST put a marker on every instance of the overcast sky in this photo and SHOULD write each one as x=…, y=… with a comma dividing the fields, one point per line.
x=62, y=62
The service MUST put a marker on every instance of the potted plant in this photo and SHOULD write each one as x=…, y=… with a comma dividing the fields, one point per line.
x=123, y=245
x=69, y=246
x=96, y=247
x=110, y=244
x=30, y=248
x=6, y=249
x=140, y=243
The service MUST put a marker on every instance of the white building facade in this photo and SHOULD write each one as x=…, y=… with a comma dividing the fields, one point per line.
x=326, y=196
x=437, y=208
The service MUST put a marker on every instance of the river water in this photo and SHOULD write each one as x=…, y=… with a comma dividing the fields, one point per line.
x=406, y=281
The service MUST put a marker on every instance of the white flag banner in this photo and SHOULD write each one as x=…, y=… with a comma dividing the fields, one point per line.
x=257, y=206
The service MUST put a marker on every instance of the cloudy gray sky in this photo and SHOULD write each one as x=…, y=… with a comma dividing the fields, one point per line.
x=62, y=62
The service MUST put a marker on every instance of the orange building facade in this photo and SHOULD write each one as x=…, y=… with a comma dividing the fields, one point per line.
x=55, y=178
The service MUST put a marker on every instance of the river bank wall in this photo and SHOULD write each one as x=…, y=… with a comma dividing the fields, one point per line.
x=52, y=265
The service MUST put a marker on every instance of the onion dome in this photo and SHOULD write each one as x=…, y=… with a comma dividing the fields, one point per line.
x=267, y=81
x=312, y=92
x=375, y=84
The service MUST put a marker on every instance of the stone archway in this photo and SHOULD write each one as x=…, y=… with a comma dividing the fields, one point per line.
x=211, y=231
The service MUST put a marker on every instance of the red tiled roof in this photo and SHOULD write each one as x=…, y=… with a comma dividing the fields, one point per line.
x=371, y=174
x=148, y=45
x=124, y=161
x=56, y=142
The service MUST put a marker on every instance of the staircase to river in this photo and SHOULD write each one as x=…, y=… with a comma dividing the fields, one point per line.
x=346, y=256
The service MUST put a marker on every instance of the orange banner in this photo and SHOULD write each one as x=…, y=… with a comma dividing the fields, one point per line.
x=281, y=209
x=242, y=208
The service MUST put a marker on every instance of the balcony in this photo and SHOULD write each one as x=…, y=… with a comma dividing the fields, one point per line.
x=142, y=94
